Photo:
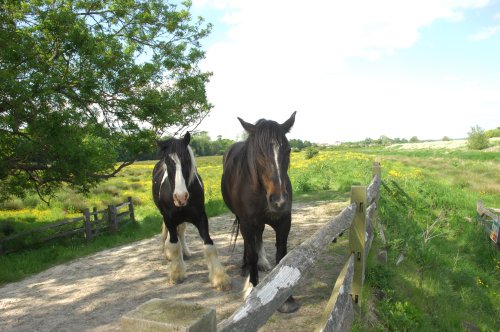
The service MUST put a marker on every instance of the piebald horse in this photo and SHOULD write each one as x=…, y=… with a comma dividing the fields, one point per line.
x=257, y=189
x=178, y=193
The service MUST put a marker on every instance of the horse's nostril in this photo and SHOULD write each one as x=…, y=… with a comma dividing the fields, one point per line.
x=273, y=198
x=181, y=199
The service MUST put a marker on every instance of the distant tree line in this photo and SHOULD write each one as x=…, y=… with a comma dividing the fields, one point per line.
x=203, y=145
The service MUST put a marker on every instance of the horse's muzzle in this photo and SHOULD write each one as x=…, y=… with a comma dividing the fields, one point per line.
x=181, y=199
x=278, y=203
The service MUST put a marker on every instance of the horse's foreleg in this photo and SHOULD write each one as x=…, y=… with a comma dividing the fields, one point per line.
x=181, y=230
x=281, y=240
x=173, y=251
x=290, y=305
x=251, y=258
x=262, y=263
x=216, y=273
x=164, y=236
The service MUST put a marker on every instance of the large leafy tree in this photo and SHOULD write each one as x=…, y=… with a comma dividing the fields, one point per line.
x=83, y=81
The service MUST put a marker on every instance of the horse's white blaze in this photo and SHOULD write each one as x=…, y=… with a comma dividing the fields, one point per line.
x=276, y=149
x=180, y=183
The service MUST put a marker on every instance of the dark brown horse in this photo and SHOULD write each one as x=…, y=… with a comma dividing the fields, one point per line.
x=257, y=189
x=179, y=195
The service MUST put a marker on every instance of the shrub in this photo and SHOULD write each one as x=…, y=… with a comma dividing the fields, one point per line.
x=477, y=139
x=493, y=132
x=311, y=153
x=14, y=203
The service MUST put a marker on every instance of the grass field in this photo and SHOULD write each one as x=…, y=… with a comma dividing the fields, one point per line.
x=450, y=275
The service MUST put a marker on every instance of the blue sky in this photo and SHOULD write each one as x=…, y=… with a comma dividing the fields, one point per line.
x=353, y=69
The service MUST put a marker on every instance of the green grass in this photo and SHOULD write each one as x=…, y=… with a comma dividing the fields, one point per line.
x=448, y=278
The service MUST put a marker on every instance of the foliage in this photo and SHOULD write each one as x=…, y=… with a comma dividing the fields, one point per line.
x=311, y=153
x=493, y=132
x=85, y=82
x=203, y=145
x=298, y=144
x=414, y=139
x=477, y=139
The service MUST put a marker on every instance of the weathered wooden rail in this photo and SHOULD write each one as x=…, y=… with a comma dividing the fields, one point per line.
x=91, y=223
x=491, y=220
x=280, y=283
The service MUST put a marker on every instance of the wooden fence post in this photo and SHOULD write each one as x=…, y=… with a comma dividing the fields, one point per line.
x=87, y=225
x=377, y=171
x=131, y=209
x=113, y=220
x=357, y=240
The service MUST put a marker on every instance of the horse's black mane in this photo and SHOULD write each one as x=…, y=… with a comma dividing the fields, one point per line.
x=173, y=145
x=257, y=146
x=266, y=131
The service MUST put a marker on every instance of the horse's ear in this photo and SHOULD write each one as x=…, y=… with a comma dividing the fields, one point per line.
x=288, y=124
x=250, y=128
x=187, y=137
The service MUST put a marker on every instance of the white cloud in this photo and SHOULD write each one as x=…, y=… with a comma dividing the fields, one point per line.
x=281, y=56
x=485, y=33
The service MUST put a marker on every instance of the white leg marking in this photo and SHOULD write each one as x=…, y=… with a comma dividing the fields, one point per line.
x=177, y=267
x=263, y=263
x=216, y=273
x=247, y=288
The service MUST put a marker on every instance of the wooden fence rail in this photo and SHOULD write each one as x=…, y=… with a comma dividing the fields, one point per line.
x=90, y=224
x=279, y=284
x=491, y=221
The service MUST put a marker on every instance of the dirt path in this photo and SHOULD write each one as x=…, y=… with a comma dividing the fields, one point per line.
x=92, y=293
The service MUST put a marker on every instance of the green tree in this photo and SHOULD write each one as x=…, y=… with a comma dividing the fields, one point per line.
x=85, y=81
x=493, y=132
x=414, y=139
x=477, y=139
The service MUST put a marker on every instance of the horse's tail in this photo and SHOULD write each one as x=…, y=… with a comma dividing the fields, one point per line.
x=234, y=231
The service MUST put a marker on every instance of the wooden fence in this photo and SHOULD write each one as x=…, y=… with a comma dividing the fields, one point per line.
x=279, y=284
x=91, y=223
x=491, y=220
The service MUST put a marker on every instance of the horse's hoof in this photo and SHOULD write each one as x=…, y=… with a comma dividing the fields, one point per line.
x=222, y=282
x=176, y=280
x=264, y=266
x=289, y=306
